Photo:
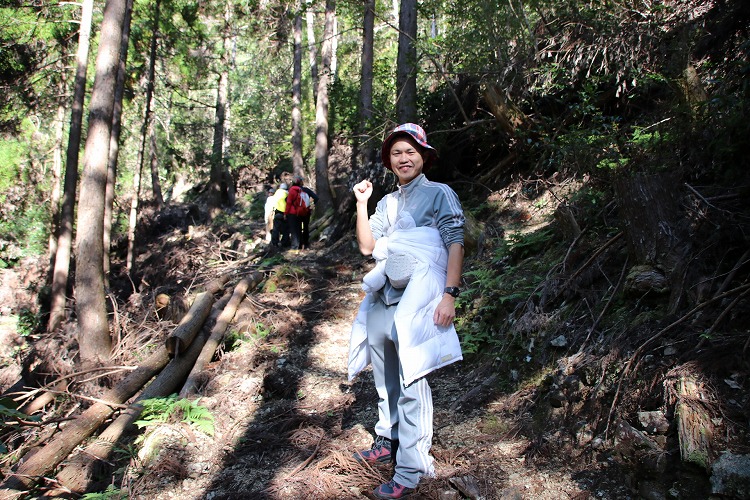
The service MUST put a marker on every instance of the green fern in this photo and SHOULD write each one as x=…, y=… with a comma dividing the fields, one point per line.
x=161, y=410
x=111, y=493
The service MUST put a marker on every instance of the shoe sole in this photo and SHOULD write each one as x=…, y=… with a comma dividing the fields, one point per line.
x=383, y=460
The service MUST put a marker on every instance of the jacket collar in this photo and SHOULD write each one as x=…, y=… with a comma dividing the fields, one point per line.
x=409, y=187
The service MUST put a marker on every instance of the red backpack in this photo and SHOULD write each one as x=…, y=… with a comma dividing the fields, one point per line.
x=302, y=203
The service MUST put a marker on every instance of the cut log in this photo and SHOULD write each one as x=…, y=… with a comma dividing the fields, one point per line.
x=217, y=285
x=181, y=337
x=217, y=333
x=77, y=474
x=48, y=457
x=694, y=426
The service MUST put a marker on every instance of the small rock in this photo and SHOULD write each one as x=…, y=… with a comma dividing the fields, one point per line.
x=467, y=485
x=730, y=475
x=559, y=341
x=511, y=493
x=653, y=422
x=670, y=351
x=572, y=382
x=448, y=495
x=650, y=490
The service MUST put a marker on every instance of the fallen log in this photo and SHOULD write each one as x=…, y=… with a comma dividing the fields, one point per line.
x=45, y=398
x=48, y=457
x=217, y=333
x=694, y=426
x=182, y=336
x=79, y=471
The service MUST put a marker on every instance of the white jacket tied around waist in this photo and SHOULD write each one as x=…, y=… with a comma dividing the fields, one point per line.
x=423, y=345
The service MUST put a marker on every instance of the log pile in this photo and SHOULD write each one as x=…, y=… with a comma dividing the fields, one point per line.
x=179, y=363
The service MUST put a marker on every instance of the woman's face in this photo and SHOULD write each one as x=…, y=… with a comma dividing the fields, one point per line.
x=406, y=159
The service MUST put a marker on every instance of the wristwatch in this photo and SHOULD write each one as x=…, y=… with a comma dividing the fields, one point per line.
x=452, y=291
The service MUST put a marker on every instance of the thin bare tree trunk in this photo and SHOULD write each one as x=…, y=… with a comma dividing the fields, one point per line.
x=406, y=63
x=153, y=155
x=217, y=183
x=362, y=146
x=94, y=340
x=334, y=50
x=230, y=49
x=114, y=141
x=310, y=22
x=67, y=208
x=217, y=158
x=134, y=201
x=54, y=201
x=297, y=163
x=321, y=113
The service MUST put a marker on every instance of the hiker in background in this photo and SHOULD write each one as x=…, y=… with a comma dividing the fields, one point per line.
x=280, y=232
x=299, y=210
x=404, y=326
x=295, y=210
x=269, y=212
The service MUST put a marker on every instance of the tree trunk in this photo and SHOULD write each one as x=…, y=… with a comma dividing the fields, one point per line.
x=216, y=188
x=362, y=149
x=334, y=51
x=93, y=332
x=228, y=186
x=153, y=155
x=321, y=114
x=406, y=63
x=217, y=157
x=654, y=227
x=67, y=208
x=310, y=21
x=133, y=219
x=297, y=162
x=48, y=457
x=54, y=201
x=217, y=333
x=114, y=141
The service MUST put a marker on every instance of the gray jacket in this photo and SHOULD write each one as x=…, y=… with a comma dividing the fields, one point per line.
x=431, y=204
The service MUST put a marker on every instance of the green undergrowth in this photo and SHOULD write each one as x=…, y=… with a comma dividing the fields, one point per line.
x=172, y=408
x=284, y=275
x=499, y=284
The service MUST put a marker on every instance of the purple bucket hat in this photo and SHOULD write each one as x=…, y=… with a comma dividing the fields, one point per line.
x=429, y=154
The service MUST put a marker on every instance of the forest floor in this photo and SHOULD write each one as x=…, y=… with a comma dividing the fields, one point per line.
x=286, y=421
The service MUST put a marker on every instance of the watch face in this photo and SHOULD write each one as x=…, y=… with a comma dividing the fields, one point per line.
x=453, y=290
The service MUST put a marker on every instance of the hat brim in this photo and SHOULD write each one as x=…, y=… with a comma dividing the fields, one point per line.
x=429, y=154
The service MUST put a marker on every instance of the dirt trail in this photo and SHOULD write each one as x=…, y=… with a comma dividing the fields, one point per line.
x=287, y=420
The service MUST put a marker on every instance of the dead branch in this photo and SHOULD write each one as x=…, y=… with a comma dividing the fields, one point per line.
x=82, y=427
x=590, y=261
x=636, y=355
x=77, y=474
x=217, y=333
x=606, y=306
x=309, y=459
x=59, y=386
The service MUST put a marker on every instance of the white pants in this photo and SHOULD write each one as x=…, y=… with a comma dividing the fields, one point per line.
x=404, y=413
